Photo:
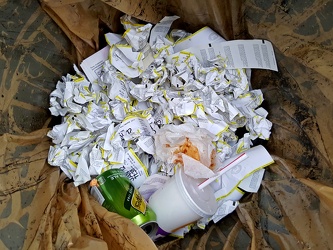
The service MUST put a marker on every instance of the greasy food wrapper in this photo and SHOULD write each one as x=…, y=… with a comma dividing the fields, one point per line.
x=188, y=146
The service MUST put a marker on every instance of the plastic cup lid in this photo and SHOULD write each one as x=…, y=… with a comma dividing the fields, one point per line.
x=202, y=201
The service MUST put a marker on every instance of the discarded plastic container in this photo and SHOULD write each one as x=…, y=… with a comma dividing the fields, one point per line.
x=180, y=202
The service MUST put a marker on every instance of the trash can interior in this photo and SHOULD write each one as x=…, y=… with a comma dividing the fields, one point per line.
x=293, y=208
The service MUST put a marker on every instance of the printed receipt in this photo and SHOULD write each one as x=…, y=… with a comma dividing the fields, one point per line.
x=161, y=29
x=257, y=54
x=201, y=37
x=92, y=65
x=134, y=169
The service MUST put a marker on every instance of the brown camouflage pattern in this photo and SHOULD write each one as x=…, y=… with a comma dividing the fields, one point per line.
x=40, y=209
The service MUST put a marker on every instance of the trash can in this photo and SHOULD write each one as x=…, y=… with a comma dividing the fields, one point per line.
x=40, y=41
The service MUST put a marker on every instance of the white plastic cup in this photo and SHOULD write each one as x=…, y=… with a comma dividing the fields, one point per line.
x=180, y=202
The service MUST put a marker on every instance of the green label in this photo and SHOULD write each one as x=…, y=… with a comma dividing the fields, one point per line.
x=128, y=198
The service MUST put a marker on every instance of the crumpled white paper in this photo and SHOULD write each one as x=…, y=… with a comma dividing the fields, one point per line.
x=147, y=103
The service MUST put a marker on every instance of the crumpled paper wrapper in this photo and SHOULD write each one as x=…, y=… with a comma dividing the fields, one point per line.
x=292, y=210
x=51, y=212
x=188, y=146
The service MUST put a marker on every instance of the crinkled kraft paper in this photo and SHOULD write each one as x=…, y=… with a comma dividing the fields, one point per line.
x=40, y=209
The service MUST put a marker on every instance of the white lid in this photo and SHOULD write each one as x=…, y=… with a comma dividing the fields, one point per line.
x=202, y=201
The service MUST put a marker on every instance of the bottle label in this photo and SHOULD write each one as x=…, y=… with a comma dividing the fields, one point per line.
x=135, y=200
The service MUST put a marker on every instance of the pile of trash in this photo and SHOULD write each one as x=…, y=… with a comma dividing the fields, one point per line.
x=154, y=102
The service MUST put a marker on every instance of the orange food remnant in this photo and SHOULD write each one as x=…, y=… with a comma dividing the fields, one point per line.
x=93, y=183
x=189, y=149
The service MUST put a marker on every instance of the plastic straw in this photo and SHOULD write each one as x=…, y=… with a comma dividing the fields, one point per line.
x=222, y=170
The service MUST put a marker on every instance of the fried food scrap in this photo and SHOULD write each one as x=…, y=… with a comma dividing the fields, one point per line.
x=93, y=183
x=187, y=148
x=212, y=159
